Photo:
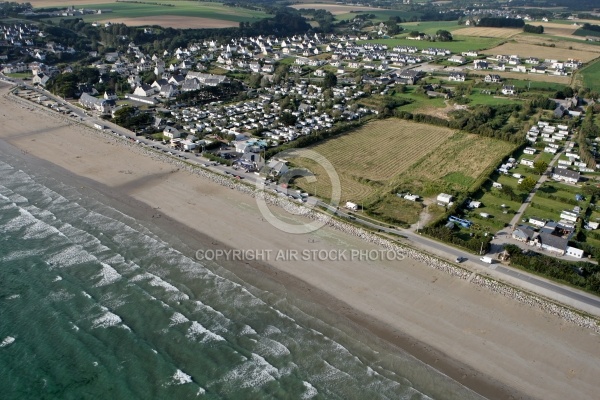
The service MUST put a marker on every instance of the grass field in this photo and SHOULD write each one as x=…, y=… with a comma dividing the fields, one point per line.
x=380, y=15
x=453, y=166
x=488, y=32
x=458, y=45
x=368, y=158
x=591, y=76
x=335, y=9
x=173, y=13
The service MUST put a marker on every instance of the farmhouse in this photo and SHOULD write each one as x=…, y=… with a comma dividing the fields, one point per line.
x=457, y=77
x=508, y=90
x=565, y=175
x=492, y=78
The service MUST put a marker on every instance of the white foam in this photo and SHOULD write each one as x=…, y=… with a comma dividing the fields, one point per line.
x=106, y=320
x=70, y=256
x=13, y=296
x=86, y=294
x=61, y=295
x=181, y=378
x=196, y=330
x=271, y=330
x=200, y=392
x=310, y=391
x=273, y=348
x=253, y=373
x=57, y=279
x=74, y=327
x=108, y=274
x=177, y=319
x=247, y=330
x=7, y=340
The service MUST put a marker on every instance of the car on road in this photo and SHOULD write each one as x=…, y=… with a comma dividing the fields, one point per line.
x=460, y=259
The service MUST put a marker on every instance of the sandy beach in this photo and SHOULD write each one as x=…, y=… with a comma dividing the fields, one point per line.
x=497, y=346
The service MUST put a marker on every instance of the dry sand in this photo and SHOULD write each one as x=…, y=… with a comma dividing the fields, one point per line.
x=174, y=21
x=469, y=333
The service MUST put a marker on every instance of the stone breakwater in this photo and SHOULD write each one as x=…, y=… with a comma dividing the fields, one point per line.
x=307, y=212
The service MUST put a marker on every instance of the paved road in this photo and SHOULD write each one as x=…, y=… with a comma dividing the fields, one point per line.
x=561, y=293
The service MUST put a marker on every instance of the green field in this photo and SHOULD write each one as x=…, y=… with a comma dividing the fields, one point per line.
x=591, y=76
x=458, y=45
x=182, y=8
x=453, y=167
x=380, y=15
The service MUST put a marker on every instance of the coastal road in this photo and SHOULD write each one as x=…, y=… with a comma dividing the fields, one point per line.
x=561, y=293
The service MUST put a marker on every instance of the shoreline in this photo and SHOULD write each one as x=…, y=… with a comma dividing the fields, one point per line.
x=431, y=355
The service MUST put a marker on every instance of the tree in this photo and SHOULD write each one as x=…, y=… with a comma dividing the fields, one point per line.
x=540, y=167
x=527, y=184
x=288, y=118
x=443, y=36
x=330, y=80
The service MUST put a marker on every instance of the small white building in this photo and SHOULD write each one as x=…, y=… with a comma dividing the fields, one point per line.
x=574, y=252
x=529, y=150
x=444, y=198
x=351, y=206
x=527, y=162
x=537, y=222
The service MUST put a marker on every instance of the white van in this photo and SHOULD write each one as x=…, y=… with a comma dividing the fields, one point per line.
x=487, y=260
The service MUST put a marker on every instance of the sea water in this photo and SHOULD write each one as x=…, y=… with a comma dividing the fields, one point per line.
x=95, y=305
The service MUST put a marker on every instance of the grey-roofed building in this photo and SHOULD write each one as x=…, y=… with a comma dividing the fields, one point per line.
x=94, y=103
x=552, y=243
x=523, y=233
x=565, y=175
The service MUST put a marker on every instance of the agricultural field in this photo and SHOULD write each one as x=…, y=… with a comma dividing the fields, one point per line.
x=173, y=13
x=488, y=32
x=431, y=27
x=453, y=166
x=380, y=15
x=543, y=52
x=335, y=9
x=367, y=159
x=556, y=29
x=553, y=79
x=458, y=45
x=591, y=76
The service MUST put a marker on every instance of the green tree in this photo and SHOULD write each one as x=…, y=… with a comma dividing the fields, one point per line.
x=330, y=80
x=527, y=184
x=540, y=167
x=443, y=36
x=288, y=118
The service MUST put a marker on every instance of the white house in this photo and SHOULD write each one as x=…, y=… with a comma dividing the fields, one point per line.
x=171, y=132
